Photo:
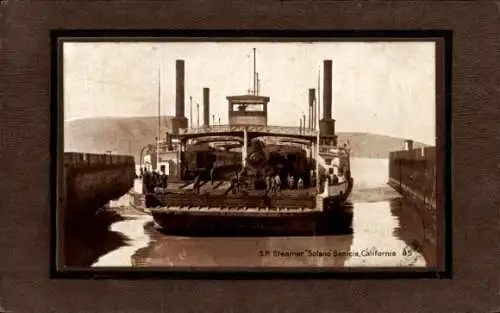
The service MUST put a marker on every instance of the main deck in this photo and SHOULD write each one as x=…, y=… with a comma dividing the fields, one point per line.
x=220, y=196
x=223, y=187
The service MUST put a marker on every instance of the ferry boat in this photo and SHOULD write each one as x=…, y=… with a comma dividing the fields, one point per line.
x=247, y=176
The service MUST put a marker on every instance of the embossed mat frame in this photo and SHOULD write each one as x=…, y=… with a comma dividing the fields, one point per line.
x=25, y=285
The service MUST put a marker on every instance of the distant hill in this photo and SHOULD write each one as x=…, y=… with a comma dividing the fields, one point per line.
x=368, y=145
x=120, y=135
x=128, y=135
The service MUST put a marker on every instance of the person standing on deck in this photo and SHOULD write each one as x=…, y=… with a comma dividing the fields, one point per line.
x=233, y=184
x=146, y=182
x=291, y=182
x=322, y=179
x=300, y=183
x=335, y=179
x=157, y=181
x=277, y=182
x=158, y=184
x=268, y=184
x=151, y=182
x=154, y=180
x=212, y=175
x=196, y=185
x=273, y=184
x=312, y=178
x=165, y=183
x=160, y=180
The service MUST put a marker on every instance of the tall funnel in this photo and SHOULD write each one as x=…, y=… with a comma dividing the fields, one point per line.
x=179, y=121
x=327, y=124
x=206, y=107
x=312, y=96
x=327, y=89
x=179, y=95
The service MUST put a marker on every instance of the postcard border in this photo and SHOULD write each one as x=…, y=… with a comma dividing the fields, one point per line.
x=56, y=149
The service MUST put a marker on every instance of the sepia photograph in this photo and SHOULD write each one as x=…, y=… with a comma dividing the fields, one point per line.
x=248, y=154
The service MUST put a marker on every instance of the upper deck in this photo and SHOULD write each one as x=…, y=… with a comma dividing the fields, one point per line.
x=257, y=130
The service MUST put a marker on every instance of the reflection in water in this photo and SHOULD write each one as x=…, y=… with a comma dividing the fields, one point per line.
x=372, y=244
x=375, y=241
x=86, y=242
x=241, y=251
x=386, y=232
x=136, y=239
x=412, y=229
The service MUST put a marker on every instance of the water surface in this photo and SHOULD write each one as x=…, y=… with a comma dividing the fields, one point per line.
x=386, y=232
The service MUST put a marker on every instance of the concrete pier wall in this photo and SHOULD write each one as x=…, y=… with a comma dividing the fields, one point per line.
x=412, y=173
x=91, y=180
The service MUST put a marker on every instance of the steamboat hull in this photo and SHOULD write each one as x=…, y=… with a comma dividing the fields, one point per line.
x=247, y=215
x=264, y=224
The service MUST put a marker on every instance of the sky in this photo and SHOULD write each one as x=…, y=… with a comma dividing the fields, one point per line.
x=385, y=88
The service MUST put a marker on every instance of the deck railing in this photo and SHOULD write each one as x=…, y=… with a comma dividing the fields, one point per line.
x=278, y=130
x=219, y=201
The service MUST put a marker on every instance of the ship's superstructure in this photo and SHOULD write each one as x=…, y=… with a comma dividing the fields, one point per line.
x=246, y=168
x=247, y=110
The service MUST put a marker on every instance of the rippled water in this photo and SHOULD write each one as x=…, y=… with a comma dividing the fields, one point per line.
x=133, y=228
x=386, y=233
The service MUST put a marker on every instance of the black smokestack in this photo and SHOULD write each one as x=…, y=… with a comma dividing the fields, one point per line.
x=179, y=95
x=312, y=95
x=206, y=106
x=327, y=89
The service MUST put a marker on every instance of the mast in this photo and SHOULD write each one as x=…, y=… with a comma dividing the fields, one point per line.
x=319, y=98
x=254, y=73
x=249, y=74
x=190, y=112
x=258, y=83
x=317, y=133
x=159, y=121
x=309, y=117
x=198, y=114
x=313, y=112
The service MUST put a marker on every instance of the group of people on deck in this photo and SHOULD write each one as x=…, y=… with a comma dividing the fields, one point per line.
x=154, y=181
x=274, y=183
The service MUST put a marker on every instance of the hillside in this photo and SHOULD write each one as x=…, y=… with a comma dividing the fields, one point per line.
x=368, y=145
x=129, y=135
x=120, y=135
